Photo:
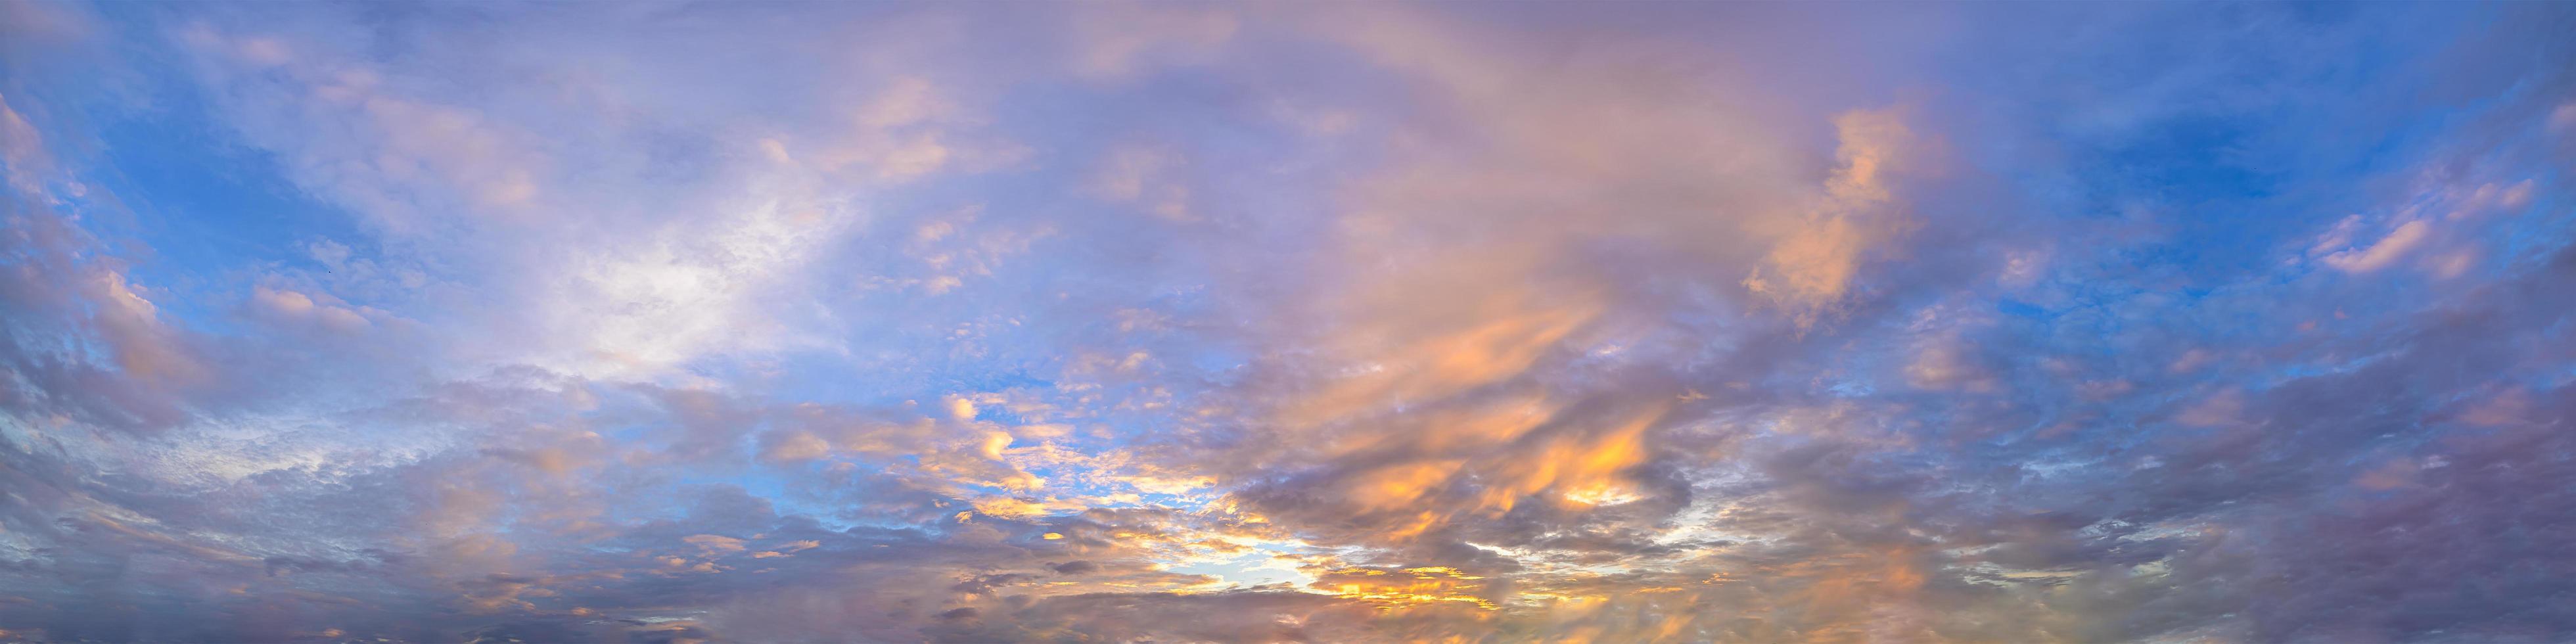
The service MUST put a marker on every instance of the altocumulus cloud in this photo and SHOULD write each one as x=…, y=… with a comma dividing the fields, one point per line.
x=1286, y=322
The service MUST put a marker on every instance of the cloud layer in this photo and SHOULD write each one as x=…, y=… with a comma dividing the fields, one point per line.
x=1278, y=322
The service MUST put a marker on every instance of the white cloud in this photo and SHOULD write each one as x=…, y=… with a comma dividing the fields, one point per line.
x=2381, y=253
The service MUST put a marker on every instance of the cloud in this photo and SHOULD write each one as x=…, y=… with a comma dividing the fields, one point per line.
x=2379, y=254
x=1811, y=266
x=1135, y=175
x=24, y=152
x=1661, y=323
x=298, y=307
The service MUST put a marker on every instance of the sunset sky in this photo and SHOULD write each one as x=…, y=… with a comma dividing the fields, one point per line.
x=1332, y=322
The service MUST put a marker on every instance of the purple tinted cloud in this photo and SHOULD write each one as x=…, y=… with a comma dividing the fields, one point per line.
x=1269, y=322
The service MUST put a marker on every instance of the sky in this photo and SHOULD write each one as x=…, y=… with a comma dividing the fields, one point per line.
x=1251, y=322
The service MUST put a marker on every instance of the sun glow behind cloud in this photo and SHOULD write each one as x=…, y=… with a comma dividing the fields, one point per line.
x=1274, y=322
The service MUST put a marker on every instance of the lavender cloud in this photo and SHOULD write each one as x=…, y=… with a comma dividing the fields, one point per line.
x=896, y=322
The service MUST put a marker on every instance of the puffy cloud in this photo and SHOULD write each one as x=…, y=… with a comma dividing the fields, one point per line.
x=1819, y=255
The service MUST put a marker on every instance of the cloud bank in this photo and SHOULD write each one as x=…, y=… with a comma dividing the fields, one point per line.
x=1280, y=322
